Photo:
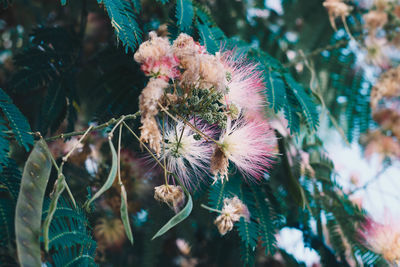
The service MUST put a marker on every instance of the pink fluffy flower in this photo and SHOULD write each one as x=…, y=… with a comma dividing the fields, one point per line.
x=249, y=144
x=186, y=155
x=245, y=83
x=383, y=239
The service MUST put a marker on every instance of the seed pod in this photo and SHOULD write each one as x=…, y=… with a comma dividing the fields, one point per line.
x=28, y=212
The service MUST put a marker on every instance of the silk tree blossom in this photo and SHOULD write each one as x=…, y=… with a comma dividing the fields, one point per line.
x=249, y=144
x=245, y=84
x=383, y=239
x=186, y=153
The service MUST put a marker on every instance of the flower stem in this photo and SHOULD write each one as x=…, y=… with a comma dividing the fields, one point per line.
x=210, y=209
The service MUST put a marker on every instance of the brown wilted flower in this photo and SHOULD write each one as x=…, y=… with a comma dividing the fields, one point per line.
x=336, y=9
x=148, y=105
x=172, y=195
x=212, y=72
x=232, y=211
x=219, y=163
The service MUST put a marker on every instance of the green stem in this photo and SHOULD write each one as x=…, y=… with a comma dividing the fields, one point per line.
x=210, y=209
x=96, y=128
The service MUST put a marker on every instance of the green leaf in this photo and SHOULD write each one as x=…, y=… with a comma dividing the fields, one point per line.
x=210, y=37
x=263, y=213
x=123, y=20
x=125, y=215
x=18, y=123
x=276, y=90
x=28, y=213
x=4, y=143
x=308, y=107
x=111, y=175
x=180, y=216
x=184, y=14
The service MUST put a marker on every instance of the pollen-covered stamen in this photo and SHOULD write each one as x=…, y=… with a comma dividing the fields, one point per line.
x=186, y=155
x=249, y=144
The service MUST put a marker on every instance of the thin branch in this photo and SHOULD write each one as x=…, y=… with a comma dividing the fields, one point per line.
x=96, y=128
x=316, y=52
x=373, y=180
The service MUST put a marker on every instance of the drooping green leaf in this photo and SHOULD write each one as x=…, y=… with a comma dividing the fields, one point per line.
x=180, y=216
x=184, y=14
x=28, y=213
x=125, y=215
x=111, y=175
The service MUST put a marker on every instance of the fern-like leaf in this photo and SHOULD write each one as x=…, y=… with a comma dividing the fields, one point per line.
x=70, y=237
x=18, y=123
x=266, y=224
x=210, y=37
x=184, y=14
x=308, y=107
x=123, y=19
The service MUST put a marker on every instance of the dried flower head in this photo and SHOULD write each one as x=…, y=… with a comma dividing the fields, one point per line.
x=232, y=211
x=186, y=155
x=172, y=195
x=249, y=144
x=383, y=239
x=148, y=105
x=336, y=9
x=212, y=72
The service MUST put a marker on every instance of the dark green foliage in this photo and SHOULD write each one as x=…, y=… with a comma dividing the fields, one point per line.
x=184, y=14
x=50, y=63
x=266, y=223
x=18, y=124
x=71, y=242
x=123, y=19
x=10, y=178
